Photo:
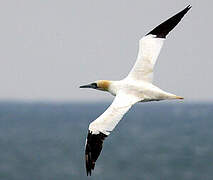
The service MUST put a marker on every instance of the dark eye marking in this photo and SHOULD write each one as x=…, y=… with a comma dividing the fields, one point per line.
x=94, y=85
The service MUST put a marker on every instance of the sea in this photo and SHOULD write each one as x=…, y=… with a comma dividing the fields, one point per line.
x=154, y=141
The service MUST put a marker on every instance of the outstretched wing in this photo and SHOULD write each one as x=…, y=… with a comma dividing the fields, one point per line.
x=150, y=46
x=103, y=125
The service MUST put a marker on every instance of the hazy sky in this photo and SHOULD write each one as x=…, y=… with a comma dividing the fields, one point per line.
x=50, y=47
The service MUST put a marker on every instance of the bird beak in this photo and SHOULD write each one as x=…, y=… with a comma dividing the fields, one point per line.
x=86, y=86
x=93, y=85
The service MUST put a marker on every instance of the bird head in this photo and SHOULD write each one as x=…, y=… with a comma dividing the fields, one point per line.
x=102, y=85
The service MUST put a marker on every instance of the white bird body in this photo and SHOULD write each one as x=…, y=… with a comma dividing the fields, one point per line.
x=145, y=91
x=136, y=87
x=128, y=92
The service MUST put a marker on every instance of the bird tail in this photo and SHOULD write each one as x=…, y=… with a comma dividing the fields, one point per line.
x=172, y=96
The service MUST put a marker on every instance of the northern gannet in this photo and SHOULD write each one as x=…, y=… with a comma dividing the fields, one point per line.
x=136, y=87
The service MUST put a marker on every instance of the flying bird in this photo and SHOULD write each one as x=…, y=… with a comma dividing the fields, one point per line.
x=136, y=87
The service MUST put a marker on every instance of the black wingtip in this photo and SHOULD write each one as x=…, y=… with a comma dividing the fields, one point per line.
x=93, y=149
x=186, y=9
x=164, y=28
x=189, y=6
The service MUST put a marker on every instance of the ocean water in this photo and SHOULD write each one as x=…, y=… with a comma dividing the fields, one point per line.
x=154, y=141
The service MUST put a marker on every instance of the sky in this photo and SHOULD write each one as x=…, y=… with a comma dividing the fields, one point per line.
x=50, y=47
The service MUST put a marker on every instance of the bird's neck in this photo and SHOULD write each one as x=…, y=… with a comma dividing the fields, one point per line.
x=106, y=85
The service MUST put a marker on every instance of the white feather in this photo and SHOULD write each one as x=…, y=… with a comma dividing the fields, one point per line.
x=149, y=49
x=106, y=122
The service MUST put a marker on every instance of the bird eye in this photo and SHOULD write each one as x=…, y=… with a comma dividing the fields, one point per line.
x=94, y=85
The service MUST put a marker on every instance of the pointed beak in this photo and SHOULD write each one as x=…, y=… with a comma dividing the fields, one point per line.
x=92, y=85
x=86, y=86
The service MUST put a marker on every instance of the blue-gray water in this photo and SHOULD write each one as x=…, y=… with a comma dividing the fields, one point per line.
x=154, y=141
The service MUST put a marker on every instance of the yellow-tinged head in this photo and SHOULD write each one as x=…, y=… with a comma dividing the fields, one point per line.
x=102, y=85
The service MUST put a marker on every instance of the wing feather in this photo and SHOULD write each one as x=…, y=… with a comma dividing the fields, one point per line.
x=149, y=49
x=106, y=122
x=103, y=125
x=150, y=46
